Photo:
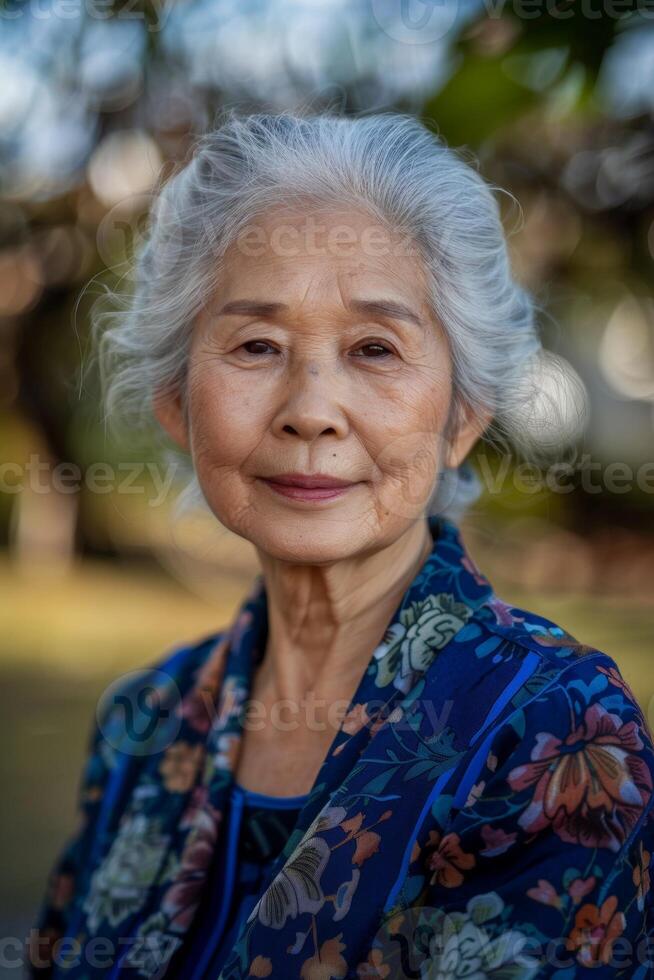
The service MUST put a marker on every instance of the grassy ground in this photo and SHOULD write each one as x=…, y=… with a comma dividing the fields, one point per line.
x=63, y=639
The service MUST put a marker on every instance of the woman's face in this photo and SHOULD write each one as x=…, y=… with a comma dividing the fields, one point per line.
x=317, y=354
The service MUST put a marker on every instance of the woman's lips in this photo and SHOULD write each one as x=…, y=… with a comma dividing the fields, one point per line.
x=307, y=493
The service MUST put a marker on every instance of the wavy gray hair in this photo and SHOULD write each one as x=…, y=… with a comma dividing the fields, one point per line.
x=387, y=163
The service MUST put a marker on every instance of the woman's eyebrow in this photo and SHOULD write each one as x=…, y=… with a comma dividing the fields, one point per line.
x=251, y=307
x=371, y=307
x=387, y=307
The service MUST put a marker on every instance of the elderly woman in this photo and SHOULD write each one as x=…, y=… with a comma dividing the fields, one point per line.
x=379, y=769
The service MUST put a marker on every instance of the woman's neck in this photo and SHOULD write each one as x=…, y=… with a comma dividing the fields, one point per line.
x=324, y=622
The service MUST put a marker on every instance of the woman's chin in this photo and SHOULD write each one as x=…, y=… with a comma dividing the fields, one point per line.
x=310, y=540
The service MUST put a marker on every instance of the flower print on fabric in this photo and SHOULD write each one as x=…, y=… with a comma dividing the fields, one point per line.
x=119, y=886
x=179, y=766
x=299, y=889
x=410, y=646
x=181, y=899
x=304, y=889
x=197, y=706
x=296, y=888
x=560, y=812
x=447, y=862
x=591, y=786
x=482, y=941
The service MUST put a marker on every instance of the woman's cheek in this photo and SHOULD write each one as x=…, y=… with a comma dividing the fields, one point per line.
x=407, y=452
x=223, y=418
x=406, y=470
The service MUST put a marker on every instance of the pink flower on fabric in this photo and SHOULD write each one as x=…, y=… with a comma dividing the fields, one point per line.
x=496, y=841
x=589, y=788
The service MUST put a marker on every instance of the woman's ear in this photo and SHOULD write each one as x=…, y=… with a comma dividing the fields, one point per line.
x=168, y=408
x=465, y=434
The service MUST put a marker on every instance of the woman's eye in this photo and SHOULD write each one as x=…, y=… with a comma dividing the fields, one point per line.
x=372, y=349
x=255, y=343
x=380, y=349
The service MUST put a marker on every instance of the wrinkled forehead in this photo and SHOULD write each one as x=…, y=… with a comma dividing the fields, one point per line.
x=321, y=247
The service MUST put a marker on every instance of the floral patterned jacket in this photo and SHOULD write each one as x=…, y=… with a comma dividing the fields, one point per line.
x=485, y=808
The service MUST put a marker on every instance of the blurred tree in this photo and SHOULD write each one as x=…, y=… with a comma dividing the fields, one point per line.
x=95, y=103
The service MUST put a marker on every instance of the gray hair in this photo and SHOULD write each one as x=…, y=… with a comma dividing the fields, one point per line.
x=387, y=163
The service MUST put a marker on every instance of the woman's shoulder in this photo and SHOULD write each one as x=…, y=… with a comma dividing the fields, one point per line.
x=557, y=651
x=143, y=710
x=564, y=672
x=532, y=631
x=570, y=689
x=139, y=715
x=177, y=667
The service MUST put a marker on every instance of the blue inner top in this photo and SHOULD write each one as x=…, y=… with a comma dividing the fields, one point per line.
x=257, y=828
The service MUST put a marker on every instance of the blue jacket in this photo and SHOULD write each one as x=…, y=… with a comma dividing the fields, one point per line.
x=485, y=808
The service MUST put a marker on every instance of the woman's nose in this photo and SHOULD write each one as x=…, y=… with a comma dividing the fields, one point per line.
x=311, y=403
